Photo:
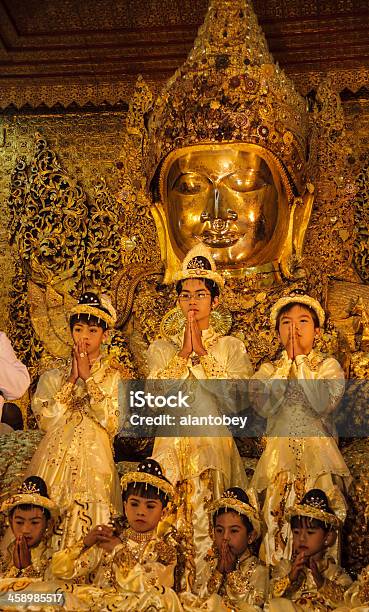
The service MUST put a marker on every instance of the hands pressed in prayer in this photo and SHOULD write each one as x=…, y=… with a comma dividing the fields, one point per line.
x=21, y=554
x=80, y=362
x=298, y=562
x=293, y=347
x=227, y=559
x=319, y=579
x=192, y=341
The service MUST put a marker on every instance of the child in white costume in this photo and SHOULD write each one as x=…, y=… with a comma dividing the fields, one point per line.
x=312, y=580
x=235, y=579
x=203, y=466
x=77, y=407
x=26, y=582
x=131, y=568
x=297, y=394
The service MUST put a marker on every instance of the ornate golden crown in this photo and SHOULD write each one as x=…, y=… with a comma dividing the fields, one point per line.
x=100, y=307
x=229, y=89
x=193, y=266
x=314, y=511
x=230, y=501
x=297, y=298
x=29, y=494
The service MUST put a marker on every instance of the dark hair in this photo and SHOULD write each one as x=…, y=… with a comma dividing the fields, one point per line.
x=40, y=485
x=88, y=319
x=243, y=497
x=211, y=286
x=306, y=522
x=148, y=491
x=12, y=415
x=289, y=307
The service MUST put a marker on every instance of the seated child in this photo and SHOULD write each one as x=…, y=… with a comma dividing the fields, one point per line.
x=77, y=406
x=311, y=580
x=25, y=566
x=129, y=568
x=297, y=394
x=30, y=513
x=236, y=579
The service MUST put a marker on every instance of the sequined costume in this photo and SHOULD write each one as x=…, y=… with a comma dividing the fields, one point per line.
x=243, y=590
x=303, y=594
x=357, y=596
x=75, y=456
x=137, y=575
x=202, y=467
x=301, y=451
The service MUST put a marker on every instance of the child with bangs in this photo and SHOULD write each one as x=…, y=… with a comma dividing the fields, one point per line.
x=235, y=579
x=297, y=394
x=127, y=567
x=26, y=582
x=77, y=408
x=312, y=580
x=30, y=513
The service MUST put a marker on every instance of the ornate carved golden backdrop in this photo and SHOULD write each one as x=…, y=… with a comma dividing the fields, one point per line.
x=72, y=230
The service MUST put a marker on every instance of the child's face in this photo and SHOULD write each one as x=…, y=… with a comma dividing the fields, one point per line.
x=92, y=335
x=309, y=540
x=143, y=514
x=301, y=320
x=31, y=524
x=229, y=527
x=196, y=297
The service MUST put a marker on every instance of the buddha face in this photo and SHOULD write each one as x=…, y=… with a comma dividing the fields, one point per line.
x=226, y=197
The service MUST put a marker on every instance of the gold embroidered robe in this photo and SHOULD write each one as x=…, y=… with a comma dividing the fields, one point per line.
x=203, y=467
x=75, y=455
x=34, y=580
x=357, y=596
x=135, y=576
x=301, y=451
x=303, y=594
x=243, y=590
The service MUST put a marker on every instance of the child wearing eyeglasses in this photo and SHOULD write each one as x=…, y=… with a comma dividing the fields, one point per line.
x=193, y=347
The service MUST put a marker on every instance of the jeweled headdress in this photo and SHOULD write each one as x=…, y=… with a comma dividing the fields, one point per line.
x=101, y=307
x=297, y=297
x=199, y=263
x=30, y=493
x=149, y=472
x=233, y=499
x=229, y=89
x=315, y=505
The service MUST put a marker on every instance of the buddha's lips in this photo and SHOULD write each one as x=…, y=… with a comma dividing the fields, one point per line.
x=220, y=238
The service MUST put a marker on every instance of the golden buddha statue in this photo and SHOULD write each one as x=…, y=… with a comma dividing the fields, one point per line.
x=226, y=157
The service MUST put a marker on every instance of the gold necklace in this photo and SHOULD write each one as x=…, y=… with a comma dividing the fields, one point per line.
x=137, y=536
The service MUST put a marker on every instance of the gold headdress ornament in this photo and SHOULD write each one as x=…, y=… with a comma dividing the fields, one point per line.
x=230, y=90
x=297, y=298
x=194, y=266
x=29, y=493
x=315, y=507
x=231, y=502
x=101, y=307
x=149, y=472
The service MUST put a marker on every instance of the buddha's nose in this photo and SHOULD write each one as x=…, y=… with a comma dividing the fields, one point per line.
x=218, y=214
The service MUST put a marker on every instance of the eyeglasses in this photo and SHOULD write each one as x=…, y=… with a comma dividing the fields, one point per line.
x=198, y=295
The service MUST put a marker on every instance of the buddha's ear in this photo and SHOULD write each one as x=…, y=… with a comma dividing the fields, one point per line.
x=215, y=302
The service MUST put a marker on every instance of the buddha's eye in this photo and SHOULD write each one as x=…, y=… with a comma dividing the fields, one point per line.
x=191, y=184
x=244, y=181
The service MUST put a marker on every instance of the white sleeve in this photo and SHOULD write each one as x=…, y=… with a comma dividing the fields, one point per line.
x=14, y=377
